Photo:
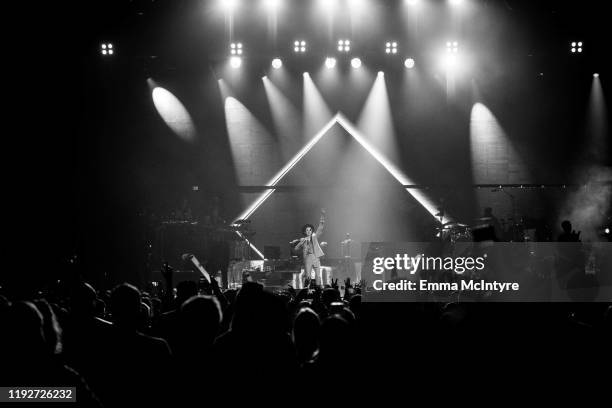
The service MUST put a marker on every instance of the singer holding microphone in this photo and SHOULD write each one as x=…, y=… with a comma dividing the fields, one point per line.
x=311, y=249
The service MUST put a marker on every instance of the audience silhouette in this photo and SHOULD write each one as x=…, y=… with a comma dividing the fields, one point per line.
x=124, y=347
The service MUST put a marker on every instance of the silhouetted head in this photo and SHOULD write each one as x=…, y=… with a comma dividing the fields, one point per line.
x=83, y=300
x=355, y=305
x=488, y=212
x=259, y=311
x=308, y=229
x=125, y=305
x=51, y=328
x=334, y=337
x=24, y=331
x=306, y=333
x=330, y=295
x=185, y=290
x=144, y=317
x=306, y=323
x=200, y=318
x=566, y=226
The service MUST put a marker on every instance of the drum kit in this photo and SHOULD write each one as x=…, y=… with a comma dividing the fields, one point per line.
x=509, y=231
x=455, y=232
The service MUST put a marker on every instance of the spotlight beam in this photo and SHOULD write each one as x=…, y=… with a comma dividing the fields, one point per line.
x=399, y=175
x=282, y=172
x=173, y=112
x=340, y=119
x=316, y=112
x=287, y=119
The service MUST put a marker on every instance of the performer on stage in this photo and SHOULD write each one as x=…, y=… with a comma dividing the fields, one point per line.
x=311, y=248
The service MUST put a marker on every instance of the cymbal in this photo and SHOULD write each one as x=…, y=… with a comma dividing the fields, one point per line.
x=242, y=221
x=453, y=224
x=483, y=219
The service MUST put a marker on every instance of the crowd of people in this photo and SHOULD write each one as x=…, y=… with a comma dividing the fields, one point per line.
x=126, y=345
x=172, y=344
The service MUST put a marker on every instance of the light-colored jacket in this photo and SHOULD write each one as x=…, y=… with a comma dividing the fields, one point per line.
x=316, y=248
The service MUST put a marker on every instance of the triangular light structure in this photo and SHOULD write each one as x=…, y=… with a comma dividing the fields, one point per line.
x=352, y=130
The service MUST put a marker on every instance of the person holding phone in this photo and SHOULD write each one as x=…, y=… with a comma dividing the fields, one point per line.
x=311, y=249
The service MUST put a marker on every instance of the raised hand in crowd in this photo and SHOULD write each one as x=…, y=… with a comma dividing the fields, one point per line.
x=363, y=284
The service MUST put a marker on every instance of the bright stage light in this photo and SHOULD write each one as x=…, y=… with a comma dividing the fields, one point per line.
x=412, y=2
x=299, y=46
x=328, y=5
x=409, y=63
x=607, y=231
x=277, y=63
x=106, y=49
x=272, y=5
x=229, y=5
x=576, y=46
x=236, y=48
x=450, y=62
x=330, y=62
x=455, y=2
x=596, y=75
x=235, y=62
x=356, y=63
x=380, y=73
x=344, y=45
x=391, y=47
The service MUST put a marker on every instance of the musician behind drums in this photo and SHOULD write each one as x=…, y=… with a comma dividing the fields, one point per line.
x=311, y=249
x=493, y=222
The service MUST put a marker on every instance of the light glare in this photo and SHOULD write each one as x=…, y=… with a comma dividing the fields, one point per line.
x=229, y=5
x=299, y=46
x=235, y=62
x=272, y=5
x=344, y=45
x=391, y=47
